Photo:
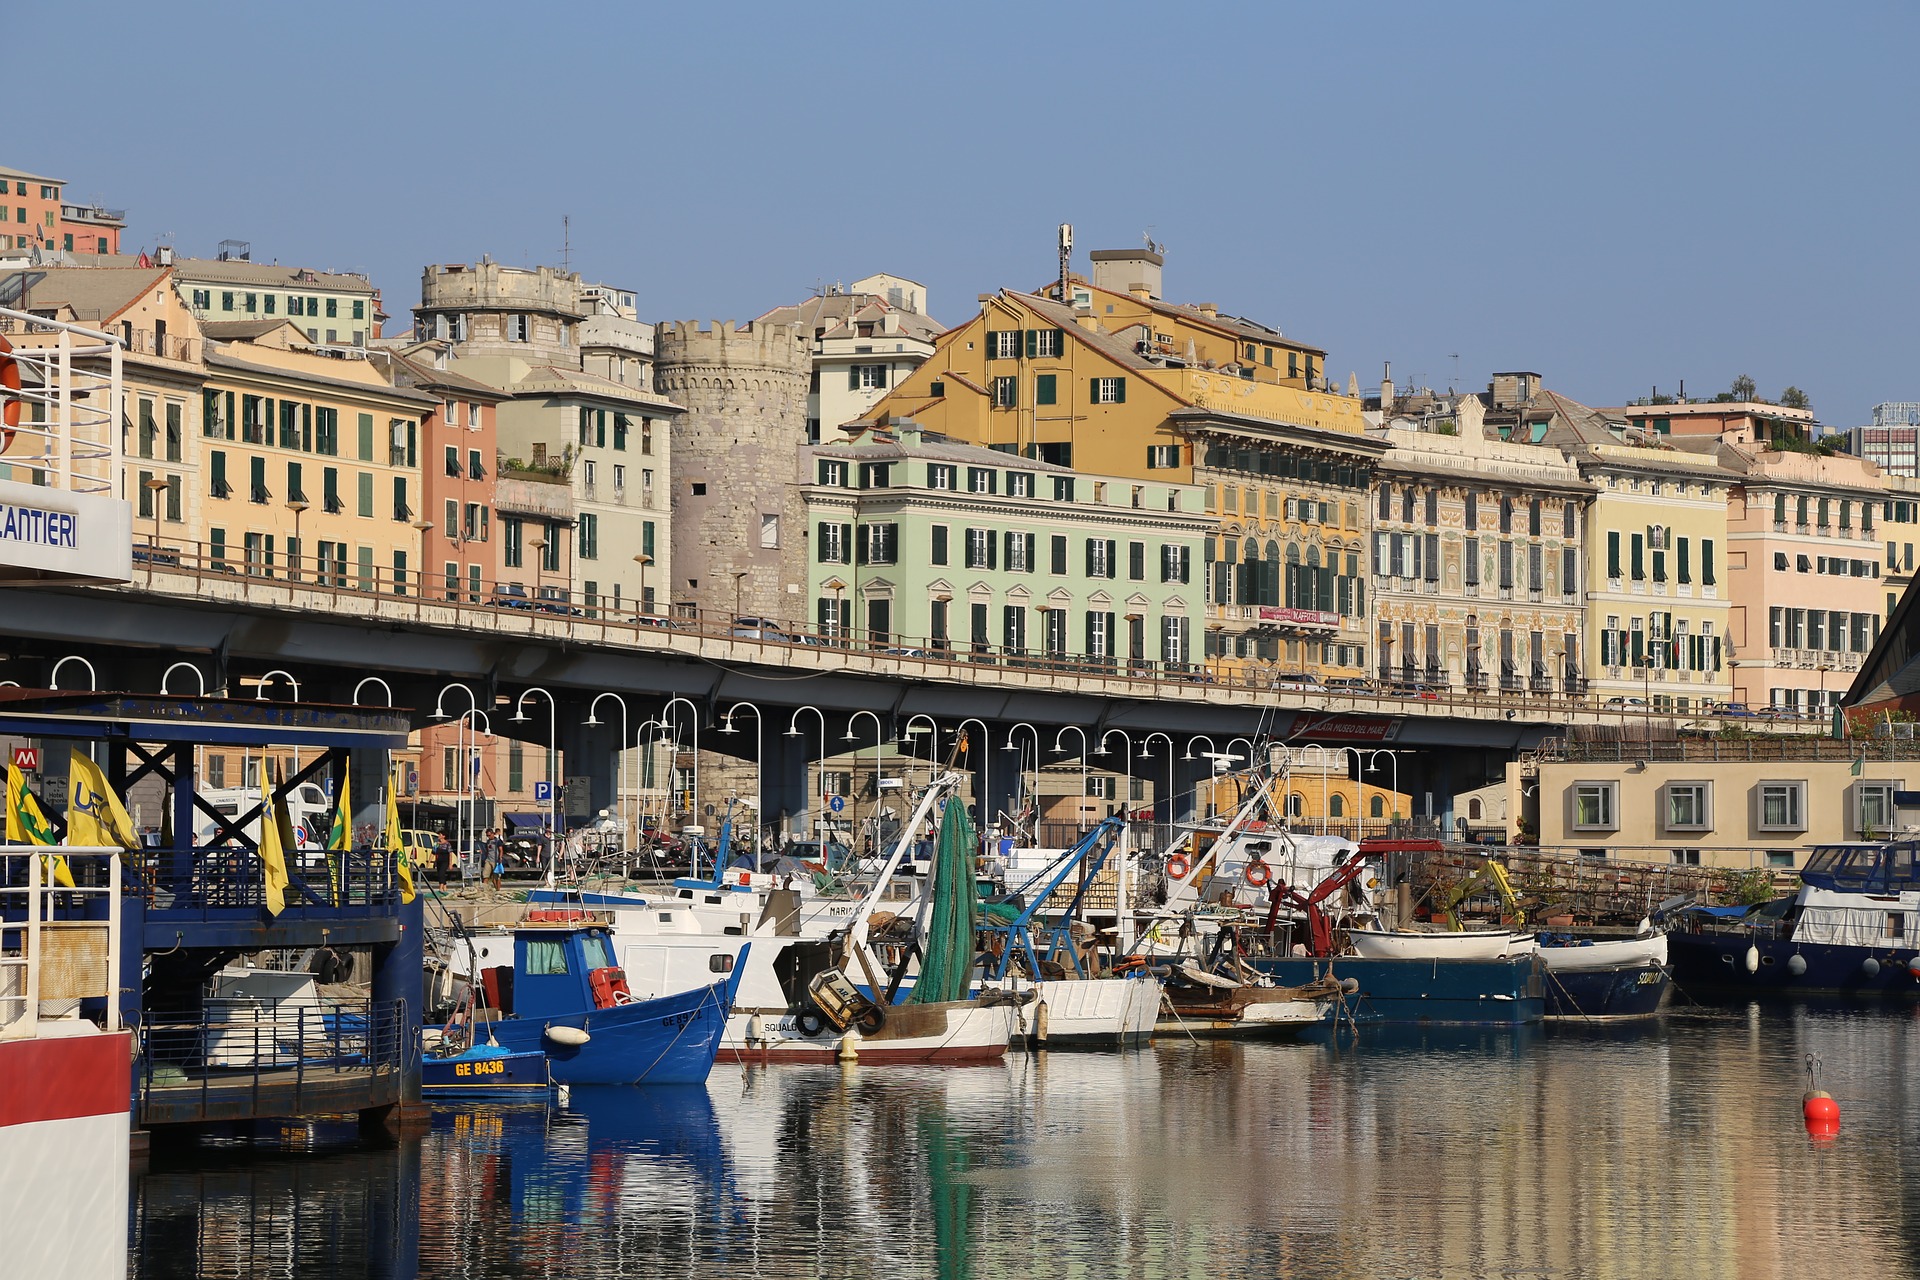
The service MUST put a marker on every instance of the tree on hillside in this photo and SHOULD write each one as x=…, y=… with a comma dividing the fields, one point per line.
x=1743, y=389
x=1795, y=398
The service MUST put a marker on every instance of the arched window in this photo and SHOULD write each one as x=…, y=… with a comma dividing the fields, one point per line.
x=1473, y=809
x=1270, y=584
x=1336, y=805
x=1376, y=807
x=1296, y=805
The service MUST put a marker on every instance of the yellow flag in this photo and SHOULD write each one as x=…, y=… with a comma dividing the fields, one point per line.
x=27, y=824
x=340, y=838
x=402, y=864
x=273, y=860
x=95, y=815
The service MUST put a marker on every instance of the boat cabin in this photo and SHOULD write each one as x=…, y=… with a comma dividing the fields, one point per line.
x=560, y=967
x=1865, y=868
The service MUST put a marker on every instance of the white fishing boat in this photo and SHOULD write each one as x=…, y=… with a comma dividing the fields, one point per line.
x=1406, y=944
x=1583, y=955
x=1090, y=1012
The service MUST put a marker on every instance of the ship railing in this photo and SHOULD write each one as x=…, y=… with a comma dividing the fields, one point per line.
x=59, y=946
x=239, y=1057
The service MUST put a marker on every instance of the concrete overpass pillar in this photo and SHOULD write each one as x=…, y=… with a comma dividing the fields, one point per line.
x=784, y=777
x=367, y=777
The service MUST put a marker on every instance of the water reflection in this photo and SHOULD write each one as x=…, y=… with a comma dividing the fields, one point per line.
x=1674, y=1150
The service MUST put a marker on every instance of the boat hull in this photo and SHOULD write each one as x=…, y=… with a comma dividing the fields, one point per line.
x=1438, y=946
x=1497, y=992
x=486, y=1075
x=1618, y=991
x=1097, y=1013
x=1257, y=1018
x=954, y=1033
x=64, y=1138
x=671, y=1040
x=1717, y=961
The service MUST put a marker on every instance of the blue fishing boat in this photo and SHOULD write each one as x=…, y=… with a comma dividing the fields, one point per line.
x=1504, y=991
x=486, y=1071
x=1604, y=977
x=564, y=997
x=1852, y=928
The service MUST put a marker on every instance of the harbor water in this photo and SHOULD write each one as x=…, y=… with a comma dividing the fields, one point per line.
x=1675, y=1149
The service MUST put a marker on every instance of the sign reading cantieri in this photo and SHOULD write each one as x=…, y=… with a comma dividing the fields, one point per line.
x=1299, y=617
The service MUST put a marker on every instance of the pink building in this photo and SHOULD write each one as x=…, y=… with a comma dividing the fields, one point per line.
x=1804, y=570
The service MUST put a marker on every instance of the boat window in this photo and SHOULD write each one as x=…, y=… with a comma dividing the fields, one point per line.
x=720, y=964
x=546, y=957
x=595, y=951
x=1900, y=863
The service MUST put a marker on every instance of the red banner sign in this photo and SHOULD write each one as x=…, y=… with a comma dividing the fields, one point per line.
x=26, y=757
x=1300, y=617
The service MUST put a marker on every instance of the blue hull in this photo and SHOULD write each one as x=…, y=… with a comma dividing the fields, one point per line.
x=1718, y=961
x=1459, y=992
x=486, y=1074
x=672, y=1040
x=1625, y=991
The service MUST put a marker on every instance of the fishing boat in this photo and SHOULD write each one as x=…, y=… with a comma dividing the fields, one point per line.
x=1588, y=977
x=1202, y=1003
x=564, y=997
x=1852, y=928
x=1056, y=956
x=485, y=1071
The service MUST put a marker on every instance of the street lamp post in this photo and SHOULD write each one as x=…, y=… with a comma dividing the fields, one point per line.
x=1146, y=753
x=619, y=774
x=646, y=605
x=424, y=527
x=294, y=553
x=155, y=486
x=539, y=547
x=553, y=768
x=1080, y=805
x=878, y=736
x=693, y=717
x=467, y=751
x=1393, y=758
x=985, y=792
x=793, y=731
x=912, y=731
x=1126, y=740
x=1019, y=761
x=759, y=765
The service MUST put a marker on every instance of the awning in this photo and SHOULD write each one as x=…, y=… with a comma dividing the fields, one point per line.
x=538, y=819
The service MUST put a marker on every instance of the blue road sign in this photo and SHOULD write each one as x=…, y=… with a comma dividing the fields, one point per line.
x=543, y=793
x=836, y=804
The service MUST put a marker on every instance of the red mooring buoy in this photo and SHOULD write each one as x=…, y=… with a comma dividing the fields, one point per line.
x=1818, y=1107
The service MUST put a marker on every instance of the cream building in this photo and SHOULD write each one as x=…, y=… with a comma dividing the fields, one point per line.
x=1478, y=557
x=866, y=339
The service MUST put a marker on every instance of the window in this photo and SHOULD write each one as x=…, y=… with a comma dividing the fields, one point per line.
x=877, y=543
x=1163, y=455
x=1019, y=555
x=1594, y=805
x=1689, y=806
x=1175, y=563
x=1872, y=808
x=545, y=958
x=833, y=473
x=980, y=549
x=833, y=542
x=1004, y=345
x=1783, y=806
x=516, y=329
x=941, y=476
x=1019, y=484
x=453, y=460
x=876, y=475
x=1006, y=392
x=769, y=529
x=1101, y=788
x=866, y=377
x=1057, y=555
x=476, y=470
x=1100, y=558
x=937, y=553
x=588, y=537
x=1045, y=344
x=1109, y=390
x=981, y=479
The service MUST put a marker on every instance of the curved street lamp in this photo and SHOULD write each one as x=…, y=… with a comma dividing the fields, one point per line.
x=93, y=679
x=364, y=682
x=672, y=725
x=260, y=690
x=879, y=736
x=759, y=766
x=593, y=721
x=1020, y=760
x=197, y=673
x=793, y=731
x=985, y=791
x=1146, y=753
x=1080, y=806
x=553, y=767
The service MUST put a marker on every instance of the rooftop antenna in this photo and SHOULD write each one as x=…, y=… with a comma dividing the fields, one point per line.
x=1066, y=259
x=566, y=244
x=1455, y=357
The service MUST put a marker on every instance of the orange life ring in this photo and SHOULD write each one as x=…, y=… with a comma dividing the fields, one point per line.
x=1178, y=866
x=1257, y=873
x=9, y=392
x=1255, y=825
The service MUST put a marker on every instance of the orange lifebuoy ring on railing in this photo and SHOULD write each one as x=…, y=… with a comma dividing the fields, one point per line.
x=9, y=392
x=1257, y=873
x=1178, y=866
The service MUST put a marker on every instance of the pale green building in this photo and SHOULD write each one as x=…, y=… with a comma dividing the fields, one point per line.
x=918, y=542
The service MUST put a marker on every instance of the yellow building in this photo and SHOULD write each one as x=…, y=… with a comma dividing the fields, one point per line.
x=1113, y=381
x=312, y=467
x=1322, y=791
x=1656, y=538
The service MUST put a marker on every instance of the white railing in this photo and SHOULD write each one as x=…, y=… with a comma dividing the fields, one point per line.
x=61, y=959
x=73, y=413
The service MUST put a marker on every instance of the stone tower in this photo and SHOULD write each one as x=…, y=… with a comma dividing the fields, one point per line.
x=735, y=531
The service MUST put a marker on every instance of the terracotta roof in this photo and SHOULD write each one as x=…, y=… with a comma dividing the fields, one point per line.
x=95, y=294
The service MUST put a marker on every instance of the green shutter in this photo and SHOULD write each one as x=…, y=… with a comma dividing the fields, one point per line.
x=1043, y=389
x=1031, y=566
x=1639, y=649
x=1613, y=553
x=1686, y=573
x=1706, y=571
x=1113, y=569
x=1120, y=391
x=853, y=377
x=1033, y=343
x=1639, y=545
x=993, y=546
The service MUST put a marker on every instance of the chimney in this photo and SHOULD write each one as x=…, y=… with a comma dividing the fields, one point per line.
x=1124, y=270
x=1207, y=309
x=1386, y=387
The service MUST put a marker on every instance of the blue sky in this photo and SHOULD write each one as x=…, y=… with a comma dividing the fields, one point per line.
x=1617, y=196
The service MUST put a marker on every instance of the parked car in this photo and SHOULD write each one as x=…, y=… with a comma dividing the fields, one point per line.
x=760, y=629
x=1299, y=680
x=1349, y=684
x=1625, y=701
x=512, y=595
x=1733, y=710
